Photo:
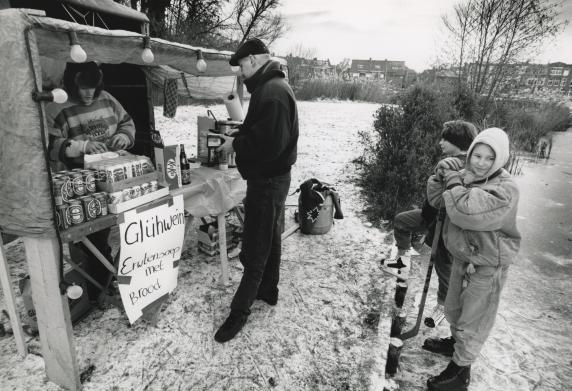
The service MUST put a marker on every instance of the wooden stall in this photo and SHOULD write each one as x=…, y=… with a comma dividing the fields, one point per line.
x=35, y=47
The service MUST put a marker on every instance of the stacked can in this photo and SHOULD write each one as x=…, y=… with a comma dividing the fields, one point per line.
x=76, y=198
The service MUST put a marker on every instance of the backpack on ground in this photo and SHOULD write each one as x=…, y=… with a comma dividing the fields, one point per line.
x=316, y=204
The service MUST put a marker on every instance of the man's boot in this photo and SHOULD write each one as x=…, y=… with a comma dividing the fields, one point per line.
x=444, y=346
x=270, y=297
x=231, y=326
x=453, y=378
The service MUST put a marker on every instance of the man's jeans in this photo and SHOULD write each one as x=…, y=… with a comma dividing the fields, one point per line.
x=261, y=240
x=411, y=221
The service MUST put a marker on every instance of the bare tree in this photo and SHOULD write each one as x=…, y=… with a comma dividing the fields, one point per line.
x=256, y=18
x=491, y=34
x=296, y=57
x=156, y=12
x=223, y=24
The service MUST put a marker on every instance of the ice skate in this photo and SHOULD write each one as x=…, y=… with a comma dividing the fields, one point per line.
x=398, y=266
x=436, y=316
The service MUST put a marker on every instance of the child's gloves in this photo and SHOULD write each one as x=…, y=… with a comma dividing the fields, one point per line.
x=449, y=163
x=452, y=179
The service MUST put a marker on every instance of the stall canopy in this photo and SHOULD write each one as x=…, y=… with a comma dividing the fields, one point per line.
x=101, y=13
x=27, y=41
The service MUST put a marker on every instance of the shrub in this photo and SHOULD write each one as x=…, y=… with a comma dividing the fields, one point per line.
x=400, y=153
x=527, y=121
x=371, y=91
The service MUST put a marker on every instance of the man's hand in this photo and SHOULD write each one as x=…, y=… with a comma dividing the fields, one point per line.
x=93, y=147
x=119, y=141
x=226, y=144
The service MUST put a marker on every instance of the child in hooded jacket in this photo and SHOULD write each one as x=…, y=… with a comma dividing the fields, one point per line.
x=480, y=234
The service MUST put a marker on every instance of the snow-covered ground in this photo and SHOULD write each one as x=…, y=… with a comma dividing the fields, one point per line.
x=323, y=333
x=330, y=329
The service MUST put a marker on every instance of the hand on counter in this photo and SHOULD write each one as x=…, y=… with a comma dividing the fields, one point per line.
x=226, y=144
x=93, y=147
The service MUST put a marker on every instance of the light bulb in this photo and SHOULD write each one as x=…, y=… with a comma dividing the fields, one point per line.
x=147, y=56
x=59, y=95
x=234, y=69
x=74, y=291
x=77, y=53
x=201, y=63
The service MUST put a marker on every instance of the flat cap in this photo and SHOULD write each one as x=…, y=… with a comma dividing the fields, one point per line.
x=251, y=46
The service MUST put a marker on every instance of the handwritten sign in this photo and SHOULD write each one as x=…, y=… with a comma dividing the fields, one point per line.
x=151, y=243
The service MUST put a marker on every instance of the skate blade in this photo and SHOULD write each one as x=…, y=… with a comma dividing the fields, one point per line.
x=402, y=274
x=434, y=322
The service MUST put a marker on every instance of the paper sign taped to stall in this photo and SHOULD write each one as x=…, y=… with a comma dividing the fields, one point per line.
x=151, y=243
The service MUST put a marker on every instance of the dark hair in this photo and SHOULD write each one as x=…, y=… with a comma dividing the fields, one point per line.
x=83, y=74
x=459, y=133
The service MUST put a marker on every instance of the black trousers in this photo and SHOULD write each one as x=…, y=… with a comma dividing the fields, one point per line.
x=261, y=240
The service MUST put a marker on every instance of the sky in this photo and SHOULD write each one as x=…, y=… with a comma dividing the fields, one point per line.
x=403, y=30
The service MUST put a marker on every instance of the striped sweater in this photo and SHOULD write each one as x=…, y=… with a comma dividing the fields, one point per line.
x=98, y=121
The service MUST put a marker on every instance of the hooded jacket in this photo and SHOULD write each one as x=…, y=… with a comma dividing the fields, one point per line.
x=480, y=227
x=266, y=145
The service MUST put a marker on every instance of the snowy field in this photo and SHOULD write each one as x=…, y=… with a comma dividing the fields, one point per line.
x=330, y=329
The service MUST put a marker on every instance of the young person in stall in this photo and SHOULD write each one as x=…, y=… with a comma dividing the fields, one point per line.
x=456, y=137
x=91, y=121
x=480, y=234
x=265, y=147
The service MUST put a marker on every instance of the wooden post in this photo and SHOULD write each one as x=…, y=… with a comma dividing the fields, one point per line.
x=221, y=221
x=52, y=310
x=11, y=302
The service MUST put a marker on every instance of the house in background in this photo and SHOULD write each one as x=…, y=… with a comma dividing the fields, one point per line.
x=532, y=79
x=311, y=68
x=394, y=72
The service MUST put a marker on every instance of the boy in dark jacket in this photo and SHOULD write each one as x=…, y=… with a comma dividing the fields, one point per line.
x=266, y=148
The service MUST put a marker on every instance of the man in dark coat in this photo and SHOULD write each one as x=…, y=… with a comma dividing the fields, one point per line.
x=265, y=149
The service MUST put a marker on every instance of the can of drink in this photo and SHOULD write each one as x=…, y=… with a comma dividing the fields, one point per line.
x=78, y=184
x=138, y=167
x=75, y=211
x=89, y=180
x=126, y=194
x=91, y=207
x=154, y=186
x=135, y=191
x=67, y=187
x=63, y=216
x=145, y=188
x=102, y=198
x=58, y=185
x=115, y=197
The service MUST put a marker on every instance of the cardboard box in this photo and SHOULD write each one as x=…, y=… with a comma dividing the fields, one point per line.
x=129, y=182
x=135, y=202
x=167, y=162
x=208, y=243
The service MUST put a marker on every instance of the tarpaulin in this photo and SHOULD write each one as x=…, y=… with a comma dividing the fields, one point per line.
x=212, y=191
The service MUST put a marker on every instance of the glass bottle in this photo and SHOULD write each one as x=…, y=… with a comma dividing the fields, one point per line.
x=185, y=167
